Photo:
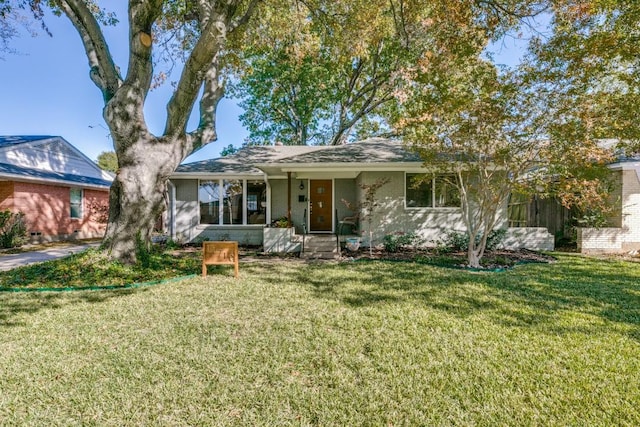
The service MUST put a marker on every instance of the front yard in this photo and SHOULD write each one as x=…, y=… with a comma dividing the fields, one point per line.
x=355, y=343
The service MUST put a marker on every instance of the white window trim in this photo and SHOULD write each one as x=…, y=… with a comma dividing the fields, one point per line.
x=433, y=196
x=245, y=219
x=81, y=209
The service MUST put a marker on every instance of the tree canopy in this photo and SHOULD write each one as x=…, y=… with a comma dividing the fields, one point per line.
x=108, y=161
x=325, y=70
x=337, y=76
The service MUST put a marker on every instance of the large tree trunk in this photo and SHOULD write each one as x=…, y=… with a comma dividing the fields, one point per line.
x=136, y=197
x=145, y=161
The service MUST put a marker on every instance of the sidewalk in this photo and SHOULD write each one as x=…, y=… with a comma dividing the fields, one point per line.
x=8, y=262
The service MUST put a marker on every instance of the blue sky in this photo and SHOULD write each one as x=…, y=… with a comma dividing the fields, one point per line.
x=45, y=90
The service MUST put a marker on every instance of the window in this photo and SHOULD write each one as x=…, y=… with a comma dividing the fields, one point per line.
x=75, y=199
x=209, y=195
x=425, y=191
x=517, y=210
x=232, y=202
x=256, y=202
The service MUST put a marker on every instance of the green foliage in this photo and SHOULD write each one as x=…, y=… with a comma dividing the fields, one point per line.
x=455, y=241
x=171, y=244
x=283, y=97
x=108, y=161
x=595, y=217
x=282, y=222
x=397, y=241
x=228, y=150
x=94, y=268
x=13, y=231
x=143, y=251
x=588, y=70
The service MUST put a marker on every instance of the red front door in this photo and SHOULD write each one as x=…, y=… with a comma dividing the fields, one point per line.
x=320, y=205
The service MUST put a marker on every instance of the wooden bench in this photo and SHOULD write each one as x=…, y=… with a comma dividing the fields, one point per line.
x=219, y=253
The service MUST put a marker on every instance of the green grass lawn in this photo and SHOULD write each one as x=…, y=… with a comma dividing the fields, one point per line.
x=364, y=343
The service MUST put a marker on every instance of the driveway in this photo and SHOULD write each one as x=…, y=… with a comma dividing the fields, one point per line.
x=8, y=262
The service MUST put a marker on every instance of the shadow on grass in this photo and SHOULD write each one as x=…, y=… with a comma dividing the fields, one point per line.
x=88, y=269
x=13, y=305
x=532, y=295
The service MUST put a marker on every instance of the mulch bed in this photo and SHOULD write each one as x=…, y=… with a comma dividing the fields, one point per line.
x=492, y=260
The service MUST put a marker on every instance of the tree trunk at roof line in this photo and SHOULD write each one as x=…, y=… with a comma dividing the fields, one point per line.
x=136, y=199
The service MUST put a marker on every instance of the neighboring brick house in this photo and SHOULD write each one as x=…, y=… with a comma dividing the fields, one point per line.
x=63, y=194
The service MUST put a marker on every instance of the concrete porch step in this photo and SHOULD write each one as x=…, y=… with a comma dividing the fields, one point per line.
x=320, y=247
x=319, y=255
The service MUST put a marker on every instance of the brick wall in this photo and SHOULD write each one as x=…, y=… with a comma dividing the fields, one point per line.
x=599, y=240
x=625, y=233
x=631, y=210
x=533, y=238
x=47, y=212
x=6, y=195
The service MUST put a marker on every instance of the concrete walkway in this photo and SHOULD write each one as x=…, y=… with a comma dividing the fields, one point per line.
x=8, y=262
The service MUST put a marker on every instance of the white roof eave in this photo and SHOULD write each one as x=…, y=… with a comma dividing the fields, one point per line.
x=213, y=175
x=51, y=181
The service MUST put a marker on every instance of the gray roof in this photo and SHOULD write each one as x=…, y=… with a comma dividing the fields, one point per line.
x=6, y=168
x=13, y=140
x=244, y=160
x=372, y=151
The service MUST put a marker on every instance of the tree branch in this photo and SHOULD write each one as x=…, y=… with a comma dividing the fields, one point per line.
x=142, y=15
x=216, y=22
x=247, y=15
x=199, y=64
x=103, y=72
x=212, y=94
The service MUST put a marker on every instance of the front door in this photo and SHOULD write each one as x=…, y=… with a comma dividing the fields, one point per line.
x=320, y=205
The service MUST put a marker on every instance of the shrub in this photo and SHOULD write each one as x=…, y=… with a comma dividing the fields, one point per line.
x=456, y=241
x=396, y=241
x=282, y=222
x=13, y=231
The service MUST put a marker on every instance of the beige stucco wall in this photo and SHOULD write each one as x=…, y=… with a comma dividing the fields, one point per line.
x=187, y=210
x=392, y=216
x=279, y=200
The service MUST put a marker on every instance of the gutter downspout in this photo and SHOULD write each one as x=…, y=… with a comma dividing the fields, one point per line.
x=172, y=210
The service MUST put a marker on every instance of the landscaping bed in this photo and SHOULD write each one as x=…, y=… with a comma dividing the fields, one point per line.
x=492, y=260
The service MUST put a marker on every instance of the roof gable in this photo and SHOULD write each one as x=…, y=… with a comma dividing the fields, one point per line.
x=14, y=140
x=48, y=154
x=48, y=158
x=19, y=172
